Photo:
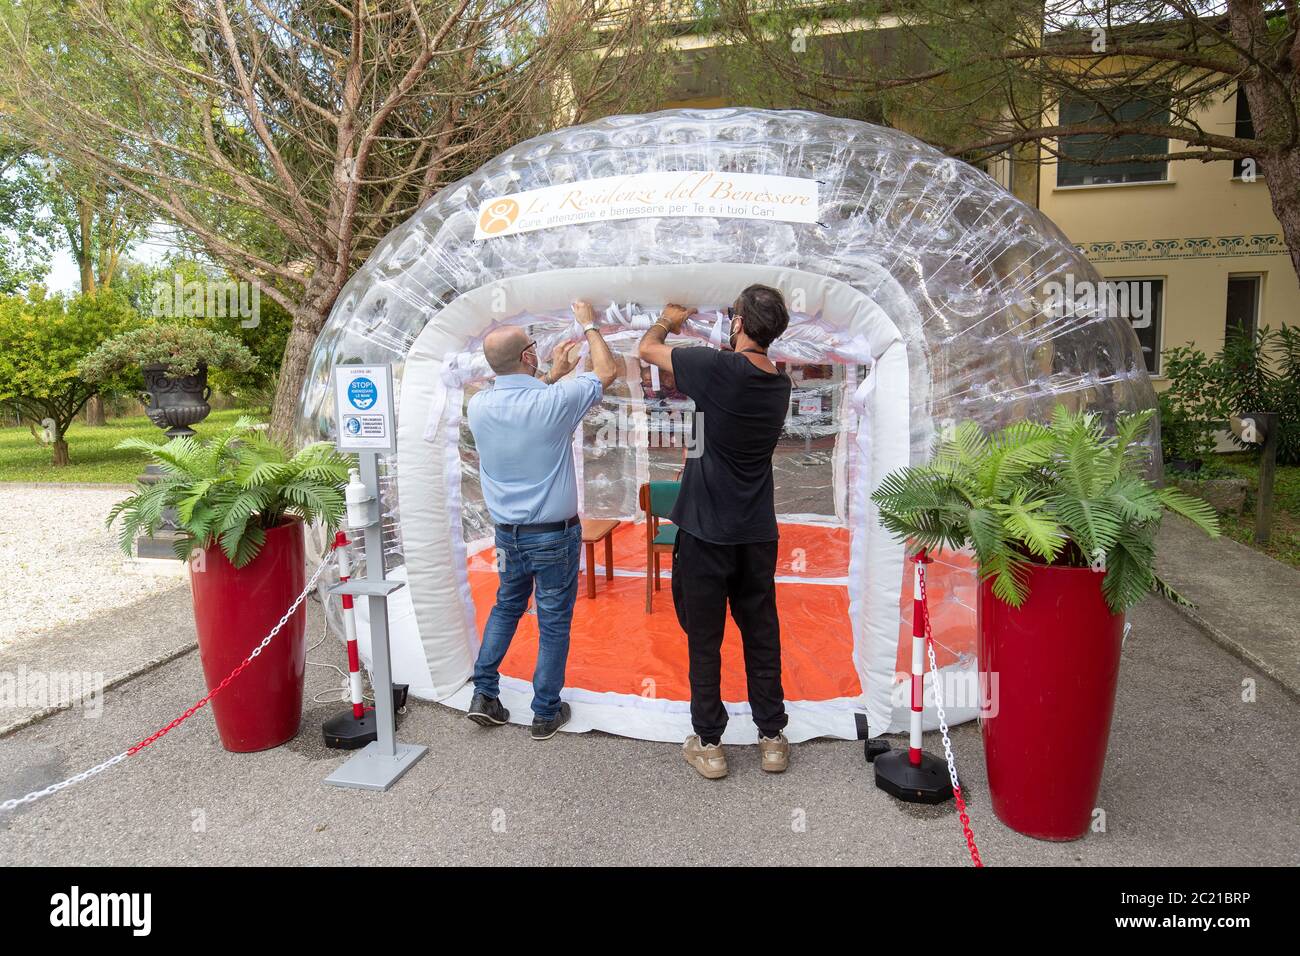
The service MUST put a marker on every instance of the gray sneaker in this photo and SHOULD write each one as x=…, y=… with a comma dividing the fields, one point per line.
x=546, y=729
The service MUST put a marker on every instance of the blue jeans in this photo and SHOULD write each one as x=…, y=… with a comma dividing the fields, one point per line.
x=549, y=560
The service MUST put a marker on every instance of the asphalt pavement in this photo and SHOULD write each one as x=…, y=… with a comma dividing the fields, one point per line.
x=1200, y=771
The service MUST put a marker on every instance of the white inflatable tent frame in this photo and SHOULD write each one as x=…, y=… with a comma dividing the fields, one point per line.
x=949, y=257
x=435, y=637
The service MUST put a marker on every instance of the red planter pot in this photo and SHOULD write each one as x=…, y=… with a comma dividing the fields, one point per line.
x=234, y=609
x=1050, y=669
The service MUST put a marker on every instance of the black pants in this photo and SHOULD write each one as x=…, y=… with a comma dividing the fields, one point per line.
x=705, y=578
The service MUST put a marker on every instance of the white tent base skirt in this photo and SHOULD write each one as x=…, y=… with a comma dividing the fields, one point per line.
x=628, y=716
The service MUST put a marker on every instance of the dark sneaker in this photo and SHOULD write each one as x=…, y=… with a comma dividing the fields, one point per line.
x=546, y=729
x=487, y=711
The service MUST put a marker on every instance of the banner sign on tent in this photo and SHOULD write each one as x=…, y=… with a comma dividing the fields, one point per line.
x=725, y=195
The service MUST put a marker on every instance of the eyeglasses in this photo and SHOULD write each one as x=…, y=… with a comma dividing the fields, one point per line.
x=532, y=344
x=733, y=314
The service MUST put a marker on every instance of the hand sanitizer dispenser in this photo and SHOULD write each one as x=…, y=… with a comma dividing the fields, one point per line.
x=362, y=507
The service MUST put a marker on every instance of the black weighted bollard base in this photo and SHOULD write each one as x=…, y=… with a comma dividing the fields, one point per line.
x=927, y=783
x=346, y=732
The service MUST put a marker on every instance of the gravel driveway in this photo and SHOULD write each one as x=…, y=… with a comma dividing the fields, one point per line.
x=78, y=610
x=66, y=566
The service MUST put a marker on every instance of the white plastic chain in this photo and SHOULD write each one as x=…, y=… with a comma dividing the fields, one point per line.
x=16, y=802
x=62, y=784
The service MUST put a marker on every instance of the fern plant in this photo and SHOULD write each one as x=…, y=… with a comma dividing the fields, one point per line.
x=1062, y=494
x=231, y=490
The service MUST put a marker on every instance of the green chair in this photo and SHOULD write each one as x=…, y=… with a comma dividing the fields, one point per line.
x=657, y=499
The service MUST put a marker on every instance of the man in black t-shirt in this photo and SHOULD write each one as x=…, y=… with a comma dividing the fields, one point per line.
x=725, y=515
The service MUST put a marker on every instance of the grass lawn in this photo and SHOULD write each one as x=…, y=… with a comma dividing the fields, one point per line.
x=94, y=457
x=1285, y=540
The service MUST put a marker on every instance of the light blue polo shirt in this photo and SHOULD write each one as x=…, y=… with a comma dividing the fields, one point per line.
x=523, y=429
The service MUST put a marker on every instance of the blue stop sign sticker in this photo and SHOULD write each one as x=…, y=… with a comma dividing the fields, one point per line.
x=362, y=393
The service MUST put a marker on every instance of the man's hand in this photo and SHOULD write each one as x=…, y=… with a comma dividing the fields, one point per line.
x=652, y=348
x=584, y=313
x=674, y=316
x=563, y=361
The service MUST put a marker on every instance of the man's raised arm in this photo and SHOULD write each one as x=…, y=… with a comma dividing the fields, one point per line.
x=602, y=359
x=653, y=348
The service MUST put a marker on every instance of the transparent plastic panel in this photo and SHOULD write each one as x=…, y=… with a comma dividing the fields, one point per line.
x=963, y=268
x=643, y=408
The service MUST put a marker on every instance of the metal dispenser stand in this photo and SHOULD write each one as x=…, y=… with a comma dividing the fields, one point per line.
x=367, y=426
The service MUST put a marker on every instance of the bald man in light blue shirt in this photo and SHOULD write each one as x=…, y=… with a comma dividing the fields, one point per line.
x=523, y=430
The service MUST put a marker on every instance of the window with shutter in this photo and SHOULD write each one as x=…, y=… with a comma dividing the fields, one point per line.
x=1245, y=129
x=1149, y=327
x=1083, y=155
x=1243, y=306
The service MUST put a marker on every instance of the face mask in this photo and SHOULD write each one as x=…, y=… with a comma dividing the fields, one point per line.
x=735, y=333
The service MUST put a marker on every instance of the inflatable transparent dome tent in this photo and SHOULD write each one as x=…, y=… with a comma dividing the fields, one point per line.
x=916, y=288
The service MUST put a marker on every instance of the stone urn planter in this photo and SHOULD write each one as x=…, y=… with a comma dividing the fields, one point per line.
x=176, y=403
x=173, y=359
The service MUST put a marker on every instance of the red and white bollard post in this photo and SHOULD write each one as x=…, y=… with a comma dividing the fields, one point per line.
x=349, y=731
x=917, y=776
x=914, y=751
x=350, y=629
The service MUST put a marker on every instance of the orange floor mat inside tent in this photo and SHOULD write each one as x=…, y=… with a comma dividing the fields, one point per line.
x=615, y=646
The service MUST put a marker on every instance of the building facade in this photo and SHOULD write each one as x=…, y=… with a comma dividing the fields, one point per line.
x=1200, y=239
x=1201, y=236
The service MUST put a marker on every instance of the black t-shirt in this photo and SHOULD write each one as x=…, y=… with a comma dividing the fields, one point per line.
x=727, y=496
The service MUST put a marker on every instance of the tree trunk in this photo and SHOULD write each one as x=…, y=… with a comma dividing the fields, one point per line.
x=1272, y=112
x=1282, y=176
x=87, y=275
x=308, y=321
x=85, y=217
x=61, y=458
x=95, y=411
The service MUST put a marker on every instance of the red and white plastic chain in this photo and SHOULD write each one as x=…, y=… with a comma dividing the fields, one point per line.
x=99, y=768
x=943, y=728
